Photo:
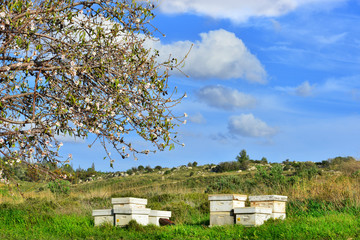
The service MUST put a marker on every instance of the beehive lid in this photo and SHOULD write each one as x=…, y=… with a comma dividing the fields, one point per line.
x=251, y=210
x=158, y=213
x=129, y=200
x=261, y=198
x=132, y=211
x=102, y=212
x=227, y=197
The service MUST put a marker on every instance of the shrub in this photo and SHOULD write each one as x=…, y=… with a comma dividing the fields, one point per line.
x=306, y=170
x=227, y=167
x=59, y=187
x=273, y=178
x=228, y=184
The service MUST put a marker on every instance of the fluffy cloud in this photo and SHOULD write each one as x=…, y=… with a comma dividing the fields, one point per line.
x=219, y=54
x=237, y=10
x=247, y=125
x=225, y=98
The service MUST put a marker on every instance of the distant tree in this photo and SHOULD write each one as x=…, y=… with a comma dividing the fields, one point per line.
x=158, y=167
x=74, y=68
x=264, y=160
x=148, y=169
x=68, y=168
x=129, y=171
x=243, y=159
x=189, y=164
x=194, y=164
x=140, y=168
x=93, y=166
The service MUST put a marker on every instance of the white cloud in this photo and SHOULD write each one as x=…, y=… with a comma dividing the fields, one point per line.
x=225, y=98
x=237, y=10
x=331, y=39
x=219, y=54
x=197, y=118
x=303, y=90
x=247, y=125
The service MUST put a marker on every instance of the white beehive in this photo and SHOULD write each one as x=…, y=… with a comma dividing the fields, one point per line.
x=221, y=218
x=103, y=216
x=155, y=215
x=129, y=202
x=125, y=214
x=226, y=202
x=252, y=216
x=222, y=206
x=276, y=202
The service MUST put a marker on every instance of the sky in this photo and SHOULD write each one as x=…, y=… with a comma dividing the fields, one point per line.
x=278, y=78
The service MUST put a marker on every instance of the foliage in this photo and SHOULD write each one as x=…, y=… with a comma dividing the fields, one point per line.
x=272, y=178
x=306, y=170
x=227, y=167
x=243, y=160
x=59, y=187
x=230, y=184
x=76, y=68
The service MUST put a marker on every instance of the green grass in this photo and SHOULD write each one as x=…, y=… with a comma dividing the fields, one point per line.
x=20, y=224
x=327, y=207
x=34, y=219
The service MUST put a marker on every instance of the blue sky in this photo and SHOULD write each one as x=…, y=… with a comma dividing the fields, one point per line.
x=279, y=78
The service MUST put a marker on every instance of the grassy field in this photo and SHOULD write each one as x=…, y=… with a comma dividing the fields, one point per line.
x=325, y=206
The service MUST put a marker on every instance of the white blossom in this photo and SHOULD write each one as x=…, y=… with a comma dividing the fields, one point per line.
x=32, y=26
x=31, y=150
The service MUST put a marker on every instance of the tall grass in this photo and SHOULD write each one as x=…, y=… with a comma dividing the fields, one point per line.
x=323, y=207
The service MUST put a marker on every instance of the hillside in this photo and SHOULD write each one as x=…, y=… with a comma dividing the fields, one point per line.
x=322, y=192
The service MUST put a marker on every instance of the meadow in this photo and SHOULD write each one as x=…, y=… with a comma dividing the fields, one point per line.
x=324, y=203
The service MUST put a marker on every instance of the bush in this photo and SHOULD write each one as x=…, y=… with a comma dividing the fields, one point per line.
x=227, y=167
x=231, y=184
x=273, y=178
x=59, y=187
x=306, y=170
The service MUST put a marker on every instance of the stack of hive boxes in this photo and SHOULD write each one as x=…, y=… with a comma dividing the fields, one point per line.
x=126, y=209
x=276, y=203
x=230, y=208
x=222, y=208
x=252, y=216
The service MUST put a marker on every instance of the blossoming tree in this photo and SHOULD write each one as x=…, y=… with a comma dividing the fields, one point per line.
x=72, y=67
